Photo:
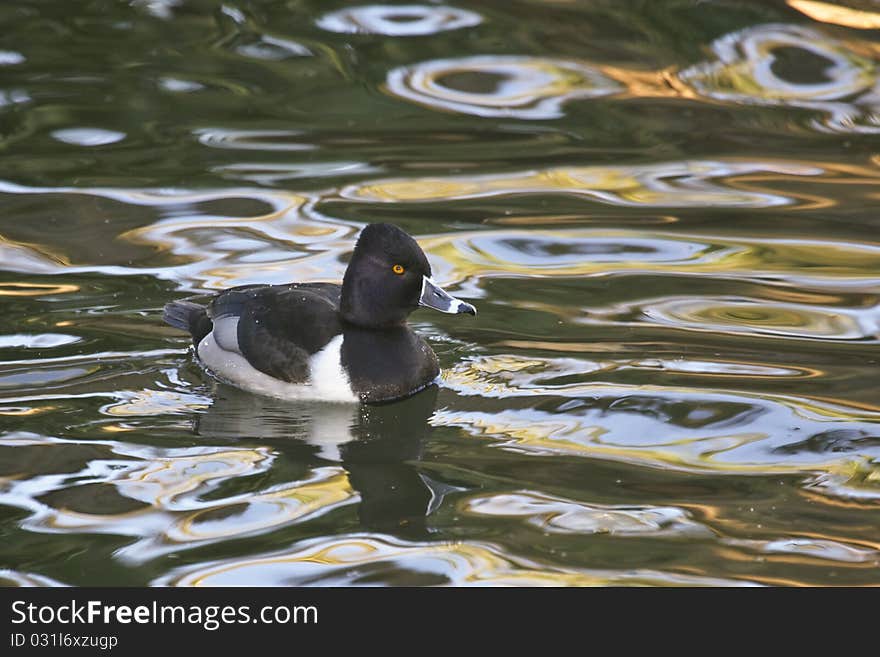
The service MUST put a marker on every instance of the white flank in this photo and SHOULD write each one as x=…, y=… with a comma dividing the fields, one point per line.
x=225, y=333
x=328, y=381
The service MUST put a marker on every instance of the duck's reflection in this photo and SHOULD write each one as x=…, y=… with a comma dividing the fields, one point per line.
x=378, y=445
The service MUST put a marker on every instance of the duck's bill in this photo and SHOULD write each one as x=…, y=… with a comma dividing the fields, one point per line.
x=434, y=296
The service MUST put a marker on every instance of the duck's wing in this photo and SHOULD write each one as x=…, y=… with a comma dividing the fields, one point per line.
x=277, y=327
x=194, y=316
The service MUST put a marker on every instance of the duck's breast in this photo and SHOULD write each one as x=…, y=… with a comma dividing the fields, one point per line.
x=387, y=364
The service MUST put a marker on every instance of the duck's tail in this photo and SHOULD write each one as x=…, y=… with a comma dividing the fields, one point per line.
x=188, y=316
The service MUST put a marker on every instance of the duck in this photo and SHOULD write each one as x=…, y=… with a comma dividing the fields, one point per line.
x=325, y=341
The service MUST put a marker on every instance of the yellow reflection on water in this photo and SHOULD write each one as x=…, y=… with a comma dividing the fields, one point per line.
x=540, y=433
x=649, y=84
x=228, y=251
x=163, y=482
x=750, y=316
x=521, y=87
x=173, y=507
x=563, y=219
x=826, y=12
x=469, y=378
x=192, y=236
x=693, y=429
x=24, y=411
x=155, y=402
x=856, y=479
x=326, y=488
x=29, y=257
x=744, y=71
x=35, y=289
x=166, y=234
x=116, y=428
x=688, y=183
x=341, y=560
x=812, y=545
x=718, y=367
x=568, y=253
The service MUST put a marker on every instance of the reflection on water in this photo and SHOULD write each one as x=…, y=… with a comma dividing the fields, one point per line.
x=752, y=316
x=15, y=578
x=398, y=20
x=365, y=560
x=514, y=87
x=674, y=184
x=374, y=445
x=159, y=496
x=813, y=549
x=858, y=479
x=87, y=136
x=554, y=515
x=666, y=211
x=830, y=13
x=780, y=64
x=695, y=431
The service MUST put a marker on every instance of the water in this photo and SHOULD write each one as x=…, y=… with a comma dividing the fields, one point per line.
x=664, y=211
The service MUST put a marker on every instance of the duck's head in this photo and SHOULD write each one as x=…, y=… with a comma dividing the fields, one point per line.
x=388, y=277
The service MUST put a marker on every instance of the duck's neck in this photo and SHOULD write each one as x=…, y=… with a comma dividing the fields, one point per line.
x=361, y=305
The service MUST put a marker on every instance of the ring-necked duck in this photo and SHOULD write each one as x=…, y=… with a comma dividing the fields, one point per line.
x=324, y=341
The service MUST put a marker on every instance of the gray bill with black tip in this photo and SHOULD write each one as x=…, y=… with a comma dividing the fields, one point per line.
x=434, y=296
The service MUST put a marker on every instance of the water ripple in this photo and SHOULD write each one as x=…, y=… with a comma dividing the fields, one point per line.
x=88, y=136
x=743, y=315
x=165, y=495
x=507, y=374
x=11, y=58
x=829, y=13
x=753, y=67
x=18, y=578
x=13, y=97
x=799, y=263
x=690, y=183
x=398, y=20
x=562, y=516
x=37, y=341
x=272, y=173
x=254, y=140
x=272, y=49
x=706, y=430
x=857, y=480
x=499, y=85
x=364, y=559
x=811, y=548
x=202, y=248
x=669, y=231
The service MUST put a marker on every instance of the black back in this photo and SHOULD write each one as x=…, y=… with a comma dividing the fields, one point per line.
x=280, y=326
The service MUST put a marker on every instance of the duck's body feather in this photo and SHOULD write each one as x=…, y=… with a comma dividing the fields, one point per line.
x=289, y=341
x=321, y=340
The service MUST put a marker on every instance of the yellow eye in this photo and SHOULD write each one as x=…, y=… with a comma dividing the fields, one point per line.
x=398, y=269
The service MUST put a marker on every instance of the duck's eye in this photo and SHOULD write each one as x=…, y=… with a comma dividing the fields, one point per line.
x=398, y=269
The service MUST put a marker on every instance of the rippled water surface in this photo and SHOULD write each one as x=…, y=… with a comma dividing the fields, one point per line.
x=666, y=213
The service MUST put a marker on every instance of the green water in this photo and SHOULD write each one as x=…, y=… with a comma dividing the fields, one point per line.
x=665, y=212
